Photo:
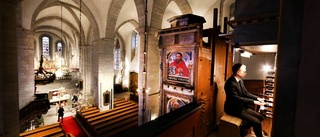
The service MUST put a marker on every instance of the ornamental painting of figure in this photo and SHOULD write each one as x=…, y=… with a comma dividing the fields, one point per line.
x=174, y=103
x=179, y=66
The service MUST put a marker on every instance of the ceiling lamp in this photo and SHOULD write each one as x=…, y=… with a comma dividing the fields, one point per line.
x=246, y=54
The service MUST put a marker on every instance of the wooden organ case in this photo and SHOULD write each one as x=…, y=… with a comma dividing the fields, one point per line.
x=187, y=57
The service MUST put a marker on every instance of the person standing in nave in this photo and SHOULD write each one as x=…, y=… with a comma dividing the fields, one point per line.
x=60, y=113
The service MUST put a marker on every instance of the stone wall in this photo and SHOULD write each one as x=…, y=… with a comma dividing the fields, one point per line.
x=25, y=45
x=9, y=66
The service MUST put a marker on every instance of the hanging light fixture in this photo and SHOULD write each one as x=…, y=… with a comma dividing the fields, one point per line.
x=145, y=48
x=59, y=72
x=80, y=27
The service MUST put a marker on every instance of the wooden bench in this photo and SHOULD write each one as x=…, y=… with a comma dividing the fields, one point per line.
x=49, y=132
x=40, y=129
x=107, y=111
x=122, y=103
x=119, y=101
x=90, y=112
x=59, y=135
x=122, y=117
x=229, y=126
x=94, y=120
x=109, y=120
x=88, y=109
x=120, y=125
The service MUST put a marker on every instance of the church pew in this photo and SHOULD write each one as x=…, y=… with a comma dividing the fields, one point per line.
x=88, y=109
x=107, y=111
x=49, y=132
x=121, y=104
x=119, y=101
x=114, y=118
x=120, y=125
x=90, y=112
x=59, y=135
x=94, y=120
x=88, y=118
x=40, y=129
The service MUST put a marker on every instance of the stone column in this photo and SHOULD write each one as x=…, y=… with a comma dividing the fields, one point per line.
x=9, y=82
x=25, y=42
x=148, y=71
x=142, y=78
x=153, y=72
x=85, y=60
x=102, y=69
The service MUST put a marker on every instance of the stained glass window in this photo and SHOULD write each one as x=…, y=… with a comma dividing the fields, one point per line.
x=59, y=48
x=45, y=46
x=117, y=56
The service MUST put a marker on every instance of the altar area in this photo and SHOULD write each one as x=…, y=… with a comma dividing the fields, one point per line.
x=59, y=91
x=58, y=95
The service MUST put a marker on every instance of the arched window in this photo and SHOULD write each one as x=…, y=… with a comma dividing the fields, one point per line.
x=134, y=44
x=59, y=47
x=117, y=56
x=45, y=41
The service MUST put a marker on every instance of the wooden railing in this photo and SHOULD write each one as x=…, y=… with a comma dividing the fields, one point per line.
x=182, y=122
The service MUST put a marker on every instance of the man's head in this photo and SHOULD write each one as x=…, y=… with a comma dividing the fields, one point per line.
x=178, y=56
x=239, y=70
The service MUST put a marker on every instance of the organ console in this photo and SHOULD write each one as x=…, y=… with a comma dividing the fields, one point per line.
x=188, y=72
x=268, y=95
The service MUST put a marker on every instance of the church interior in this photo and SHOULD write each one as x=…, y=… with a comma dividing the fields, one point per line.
x=156, y=67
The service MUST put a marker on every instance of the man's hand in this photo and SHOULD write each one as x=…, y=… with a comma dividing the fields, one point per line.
x=260, y=99
x=260, y=103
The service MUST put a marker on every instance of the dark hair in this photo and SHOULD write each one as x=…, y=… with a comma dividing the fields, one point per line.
x=235, y=68
x=179, y=53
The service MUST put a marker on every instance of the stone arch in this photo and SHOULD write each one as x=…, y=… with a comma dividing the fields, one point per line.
x=140, y=4
x=114, y=11
x=84, y=10
x=112, y=16
x=184, y=6
x=133, y=22
x=160, y=7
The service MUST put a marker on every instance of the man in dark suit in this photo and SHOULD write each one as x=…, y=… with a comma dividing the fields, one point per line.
x=238, y=100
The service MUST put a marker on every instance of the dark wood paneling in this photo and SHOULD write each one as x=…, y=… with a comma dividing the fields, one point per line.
x=254, y=86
